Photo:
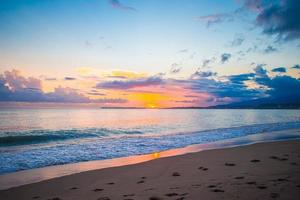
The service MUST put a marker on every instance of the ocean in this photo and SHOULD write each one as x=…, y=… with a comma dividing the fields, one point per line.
x=38, y=137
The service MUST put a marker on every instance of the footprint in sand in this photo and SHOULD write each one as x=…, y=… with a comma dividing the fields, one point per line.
x=277, y=158
x=239, y=177
x=217, y=190
x=183, y=194
x=175, y=174
x=203, y=168
x=283, y=159
x=262, y=187
x=141, y=181
x=155, y=198
x=148, y=189
x=211, y=186
x=97, y=190
x=128, y=195
x=274, y=157
x=171, y=194
x=282, y=179
x=251, y=183
x=229, y=164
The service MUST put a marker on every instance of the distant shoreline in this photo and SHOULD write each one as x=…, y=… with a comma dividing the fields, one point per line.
x=37, y=105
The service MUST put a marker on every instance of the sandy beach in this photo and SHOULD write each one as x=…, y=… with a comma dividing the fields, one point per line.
x=258, y=171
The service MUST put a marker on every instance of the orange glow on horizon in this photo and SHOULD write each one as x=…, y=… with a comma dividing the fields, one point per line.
x=149, y=100
x=151, y=106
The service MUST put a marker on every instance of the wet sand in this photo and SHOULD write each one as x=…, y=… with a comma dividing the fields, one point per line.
x=258, y=171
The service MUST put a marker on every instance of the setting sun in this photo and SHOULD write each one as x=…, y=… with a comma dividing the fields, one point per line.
x=151, y=106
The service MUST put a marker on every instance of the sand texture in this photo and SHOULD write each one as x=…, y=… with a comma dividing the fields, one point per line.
x=259, y=171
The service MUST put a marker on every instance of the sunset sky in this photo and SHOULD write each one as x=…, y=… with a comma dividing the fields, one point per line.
x=149, y=53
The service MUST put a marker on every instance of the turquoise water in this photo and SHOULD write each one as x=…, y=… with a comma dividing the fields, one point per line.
x=32, y=138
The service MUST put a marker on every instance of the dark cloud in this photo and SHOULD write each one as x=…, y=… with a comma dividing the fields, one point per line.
x=206, y=62
x=296, y=67
x=67, y=78
x=279, y=69
x=240, y=78
x=215, y=18
x=284, y=87
x=128, y=84
x=118, y=5
x=175, y=68
x=278, y=17
x=203, y=74
x=270, y=49
x=234, y=88
x=260, y=70
x=225, y=57
x=278, y=88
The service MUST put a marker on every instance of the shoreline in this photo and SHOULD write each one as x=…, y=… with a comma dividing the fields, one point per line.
x=267, y=170
x=20, y=178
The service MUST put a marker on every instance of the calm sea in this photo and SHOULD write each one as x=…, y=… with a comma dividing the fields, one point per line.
x=32, y=138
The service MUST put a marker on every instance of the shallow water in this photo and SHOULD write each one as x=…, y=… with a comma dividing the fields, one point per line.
x=32, y=138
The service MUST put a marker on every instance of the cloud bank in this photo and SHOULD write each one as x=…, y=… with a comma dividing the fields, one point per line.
x=201, y=88
x=15, y=87
x=278, y=17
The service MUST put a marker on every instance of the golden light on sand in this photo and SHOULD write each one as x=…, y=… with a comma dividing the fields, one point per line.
x=156, y=155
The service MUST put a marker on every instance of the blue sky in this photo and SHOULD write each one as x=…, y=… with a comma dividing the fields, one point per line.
x=55, y=38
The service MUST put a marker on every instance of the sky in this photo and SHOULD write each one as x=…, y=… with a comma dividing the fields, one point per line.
x=152, y=54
